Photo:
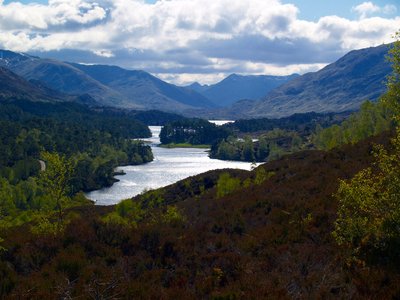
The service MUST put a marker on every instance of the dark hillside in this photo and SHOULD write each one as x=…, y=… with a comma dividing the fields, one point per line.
x=269, y=239
x=341, y=86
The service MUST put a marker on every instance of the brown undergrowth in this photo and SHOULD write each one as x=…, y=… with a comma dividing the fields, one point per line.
x=267, y=240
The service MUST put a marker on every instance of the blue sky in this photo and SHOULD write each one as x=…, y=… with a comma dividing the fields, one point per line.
x=314, y=9
x=183, y=41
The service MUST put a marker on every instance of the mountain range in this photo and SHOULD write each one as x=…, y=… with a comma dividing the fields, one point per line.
x=340, y=86
x=107, y=85
x=237, y=87
x=15, y=87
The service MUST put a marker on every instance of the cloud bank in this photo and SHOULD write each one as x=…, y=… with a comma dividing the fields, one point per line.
x=187, y=40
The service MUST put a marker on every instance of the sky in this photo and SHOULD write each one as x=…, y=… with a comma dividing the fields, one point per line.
x=183, y=41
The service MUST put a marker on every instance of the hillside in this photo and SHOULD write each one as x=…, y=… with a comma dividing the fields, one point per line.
x=269, y=240
x=107, y=85
x=147, y=90
x=60, y=77
x=14, y=87
x=358, y=76
x=237, y=87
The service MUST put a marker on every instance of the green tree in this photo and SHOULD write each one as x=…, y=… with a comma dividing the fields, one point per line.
x=248, y=149
x=369, y=204
x=55, y=180
x=263, y=149
x=392, y=97
x=226, y=185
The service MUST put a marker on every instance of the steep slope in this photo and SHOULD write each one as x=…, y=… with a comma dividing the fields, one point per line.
x=107, y=85
x=146, y=89
x=13, y=87
x=237, y=87
x=62, y=77
x=340, y=86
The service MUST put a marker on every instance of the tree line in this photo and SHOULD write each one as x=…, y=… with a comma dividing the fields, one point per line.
x=93, y=143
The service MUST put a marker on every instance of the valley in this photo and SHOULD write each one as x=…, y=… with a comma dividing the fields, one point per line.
x=121, y=183
x=169, y=166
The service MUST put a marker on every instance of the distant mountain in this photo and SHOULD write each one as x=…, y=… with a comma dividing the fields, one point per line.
x=14, y=87
x=340, y=86
x=106, y=85
x=61, y=77
x=146, y=89
x=200, y=88
x=237, y=87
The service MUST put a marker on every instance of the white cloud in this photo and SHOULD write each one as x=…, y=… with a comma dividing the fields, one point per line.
x=178, y=38
x=369, y=8
x=104, y=53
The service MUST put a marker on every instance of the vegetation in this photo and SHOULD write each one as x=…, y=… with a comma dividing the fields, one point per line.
x=372, y=119
x=227, y=185
x=270, y=237
x=268, y=146
x=185, y=145
x=369, y=204
x=304, y=123
x=369, y=212
x=55, y=179
x=273, y=137
x=224, y=234
x=78, y=150
x=192, y=131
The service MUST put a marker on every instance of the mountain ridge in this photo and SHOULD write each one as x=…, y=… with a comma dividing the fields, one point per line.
x=343, y=85
x=71, y=78
x=237, y=87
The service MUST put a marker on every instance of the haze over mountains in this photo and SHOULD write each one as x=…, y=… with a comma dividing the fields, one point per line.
x=121, y=88
x=340, y=86
x=145, y=89
x=237, y=87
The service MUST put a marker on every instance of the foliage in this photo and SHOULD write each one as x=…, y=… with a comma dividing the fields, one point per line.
x=369, y=204
x=227, y=185
x=270, y=240
x=262, y=175
x=130, y=210
x=261, y=150
x=392, y=97
x=192, y=131
x=55, y=179
x=369, y=209
x=44, y=226
x=173, y=215
x=372, y=119
x=81, y=149
x=303, y=123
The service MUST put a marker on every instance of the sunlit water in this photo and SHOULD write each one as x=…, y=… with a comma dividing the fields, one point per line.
x=168, y=166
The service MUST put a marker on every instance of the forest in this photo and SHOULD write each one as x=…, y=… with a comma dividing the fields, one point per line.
x=268, y=139
x=314, y=224
x=192, y=132
x=92, y=143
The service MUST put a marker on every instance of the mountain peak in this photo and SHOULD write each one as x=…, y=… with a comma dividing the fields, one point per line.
x=237, y=87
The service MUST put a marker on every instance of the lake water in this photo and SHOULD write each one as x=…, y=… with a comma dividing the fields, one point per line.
x=168, y=166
